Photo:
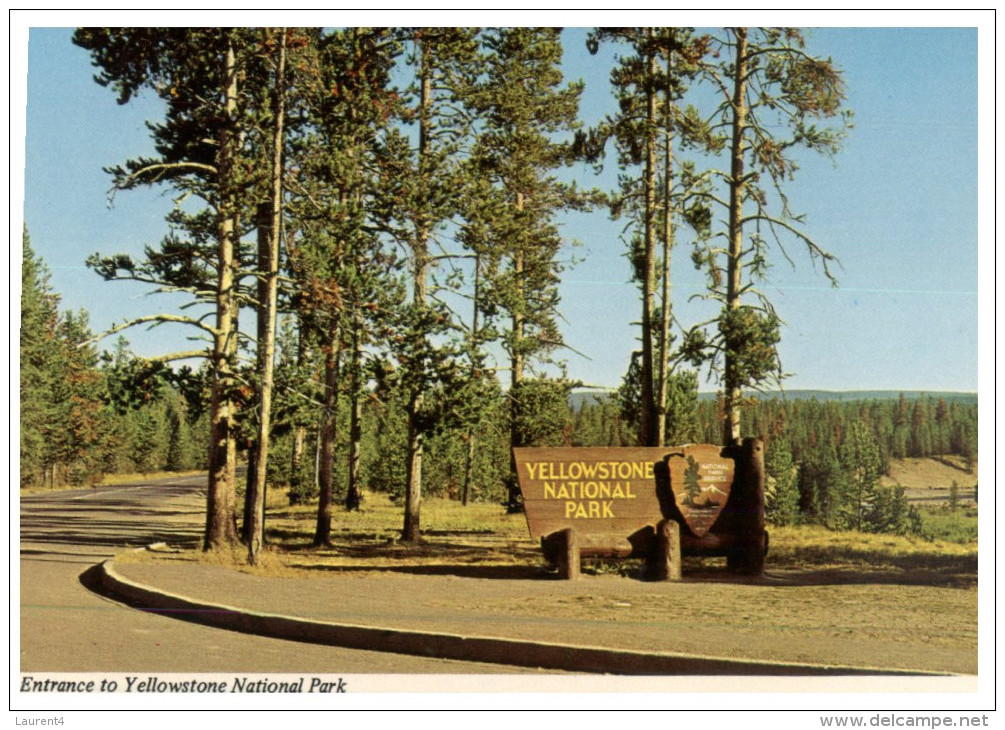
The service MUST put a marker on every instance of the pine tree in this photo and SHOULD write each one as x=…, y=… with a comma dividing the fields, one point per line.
x=680, y=414
x=523, y=105
x=479, y=395
x=773, y=92
x=446, y=61
x=341, y=201
x=782, y=498
x=298, y=399
x=207, y=148
x=62, y=417
x=822, y=488
x=81, y=420
x=649, y=83
x=178, y=456
x=269, y=222
x=692, y=487
x=38, y=357
x=861, y=462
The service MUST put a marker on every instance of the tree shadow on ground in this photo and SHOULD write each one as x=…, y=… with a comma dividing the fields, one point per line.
x=496, y=572
x=474, y=561
x=66, y=529
x=824, y=576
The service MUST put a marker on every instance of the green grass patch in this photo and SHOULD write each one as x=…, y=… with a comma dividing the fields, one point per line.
x=947, y=525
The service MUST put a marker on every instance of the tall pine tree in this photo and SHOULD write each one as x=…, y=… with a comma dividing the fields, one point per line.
x=429, y=193
x=649, y=81
x=772, y=93
x=524, y=106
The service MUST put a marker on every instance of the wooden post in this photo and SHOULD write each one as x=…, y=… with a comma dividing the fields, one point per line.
x=668, y=555
x=568, y=557
x=748, y=558
x=754, y=451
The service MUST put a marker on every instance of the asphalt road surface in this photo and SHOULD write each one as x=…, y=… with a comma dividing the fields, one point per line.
x=65, y=627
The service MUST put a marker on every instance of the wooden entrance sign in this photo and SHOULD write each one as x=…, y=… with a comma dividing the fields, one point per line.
x=654, y=503
x=596, y=502
x=597, y=491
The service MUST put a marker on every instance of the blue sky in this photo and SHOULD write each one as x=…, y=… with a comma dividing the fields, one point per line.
x=898, y=206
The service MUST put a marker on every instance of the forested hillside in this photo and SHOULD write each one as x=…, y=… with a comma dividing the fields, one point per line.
x=367, y=234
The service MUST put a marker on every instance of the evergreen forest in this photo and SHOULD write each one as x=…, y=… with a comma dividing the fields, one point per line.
x=367, y=232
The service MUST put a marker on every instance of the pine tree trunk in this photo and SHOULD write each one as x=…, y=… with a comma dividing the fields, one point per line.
x=297, y=455
x=221, y=526
x=737, y=190
x=469, y=467
x=355, y=427
x=270, y=219
x=665, y=315
x=353, y=496
x=249, y=491
x=648, y=426
x=411, y=531
x=516, y=436
x=325, y=453
x=299, y=444
x=326, y=440
x=469, y=462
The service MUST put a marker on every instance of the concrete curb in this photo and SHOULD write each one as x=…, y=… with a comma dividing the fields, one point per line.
x=494, y=650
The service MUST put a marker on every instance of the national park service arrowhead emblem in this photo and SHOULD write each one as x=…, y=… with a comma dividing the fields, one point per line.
x=700, y=478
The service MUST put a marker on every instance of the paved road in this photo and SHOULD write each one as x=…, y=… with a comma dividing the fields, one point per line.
x=65, y=627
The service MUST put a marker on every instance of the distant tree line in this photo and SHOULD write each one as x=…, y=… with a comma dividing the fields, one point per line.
x=824, y=459
x=84, y=414
x=902, y=427
x=366, y=228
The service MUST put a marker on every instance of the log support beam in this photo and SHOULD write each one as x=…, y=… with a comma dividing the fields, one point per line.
x=667, y=560
x=569, y=555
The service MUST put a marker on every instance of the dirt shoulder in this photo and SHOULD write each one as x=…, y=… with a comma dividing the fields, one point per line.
x=835, y=617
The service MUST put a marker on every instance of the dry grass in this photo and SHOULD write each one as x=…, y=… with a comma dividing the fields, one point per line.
x=114, y=479
x=904, y=558
x=931, y=472
x=479, y=534
x=481, y=539
x=482, y=536
x=33, y=489
x=111, y=480
x=847, y=598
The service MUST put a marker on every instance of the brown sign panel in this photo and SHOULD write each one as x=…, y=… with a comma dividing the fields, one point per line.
x=700, y=478
x=610, y=491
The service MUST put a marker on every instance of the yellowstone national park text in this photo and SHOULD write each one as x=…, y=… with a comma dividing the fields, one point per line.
x=589, y=489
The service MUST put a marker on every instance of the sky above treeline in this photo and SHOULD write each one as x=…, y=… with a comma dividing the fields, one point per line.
x=898, y=205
